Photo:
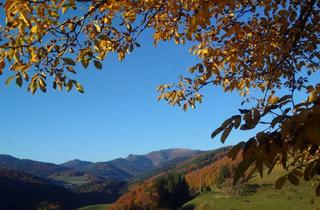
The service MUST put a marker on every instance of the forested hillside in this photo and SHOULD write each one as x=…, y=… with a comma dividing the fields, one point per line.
x=144, y=195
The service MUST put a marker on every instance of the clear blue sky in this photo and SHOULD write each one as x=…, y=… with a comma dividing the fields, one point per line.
x=118, y=114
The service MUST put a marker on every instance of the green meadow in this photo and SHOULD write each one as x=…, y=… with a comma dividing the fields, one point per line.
x=266, y=197
x=96, y=207
x=76, y=180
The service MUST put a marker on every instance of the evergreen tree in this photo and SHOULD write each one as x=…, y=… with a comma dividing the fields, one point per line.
x=173, y=190
x=223, y=174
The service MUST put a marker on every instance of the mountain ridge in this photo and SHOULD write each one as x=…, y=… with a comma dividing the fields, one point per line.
x=132, y=165
x=119, y=168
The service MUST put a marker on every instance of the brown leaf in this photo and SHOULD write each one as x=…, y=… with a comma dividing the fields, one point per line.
x=226, y=133
x=69, y=61
x=241, y=169
x=216, y=132
x=233, y=152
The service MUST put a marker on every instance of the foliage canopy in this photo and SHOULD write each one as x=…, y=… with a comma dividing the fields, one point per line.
x=245, y=45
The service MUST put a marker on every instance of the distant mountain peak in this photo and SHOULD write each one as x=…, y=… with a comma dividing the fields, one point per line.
x=130, y=156
x=76, y=161
x=162, y=156
x=166, y=151
x=76, y=164
x=132, y=165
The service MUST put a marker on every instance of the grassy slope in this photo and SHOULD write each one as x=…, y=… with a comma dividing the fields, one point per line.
x=265, y=199
x=300, y=197
x=96, y=207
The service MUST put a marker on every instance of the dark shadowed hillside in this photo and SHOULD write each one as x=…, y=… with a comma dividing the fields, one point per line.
x=19, y=190
x=23, y=191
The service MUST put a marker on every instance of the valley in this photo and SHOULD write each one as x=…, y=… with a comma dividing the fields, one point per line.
x=79, y=183
x=208, y=175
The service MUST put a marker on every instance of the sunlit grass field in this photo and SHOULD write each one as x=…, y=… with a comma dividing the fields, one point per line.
x=96, y=207
x=265, y=199
x=291, y=197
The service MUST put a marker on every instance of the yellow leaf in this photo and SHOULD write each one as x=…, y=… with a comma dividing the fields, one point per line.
x=8, y=81
x=274, y=100
x=25, y=19
x=313, y=96
x=64, y=9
